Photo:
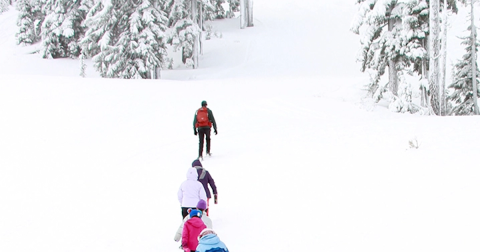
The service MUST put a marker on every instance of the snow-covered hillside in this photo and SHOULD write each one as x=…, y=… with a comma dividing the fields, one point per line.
x=302, y=160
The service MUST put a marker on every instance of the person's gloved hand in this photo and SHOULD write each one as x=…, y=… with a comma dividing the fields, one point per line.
x=186, y=249
x=195, y=132
x=216, y=132
x=215, y=198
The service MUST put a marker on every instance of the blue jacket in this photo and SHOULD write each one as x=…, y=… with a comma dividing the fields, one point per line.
x=211, y=243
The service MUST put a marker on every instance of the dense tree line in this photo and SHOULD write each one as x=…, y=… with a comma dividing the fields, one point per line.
x=125, y=39
x=403, y=44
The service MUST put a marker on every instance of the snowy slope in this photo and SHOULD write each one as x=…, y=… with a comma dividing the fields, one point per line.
x=302, y=161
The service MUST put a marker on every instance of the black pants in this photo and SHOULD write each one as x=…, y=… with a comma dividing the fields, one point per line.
x=203, y=133
x=185, y=211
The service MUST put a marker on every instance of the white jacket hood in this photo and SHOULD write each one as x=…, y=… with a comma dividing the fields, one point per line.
x=192, y=174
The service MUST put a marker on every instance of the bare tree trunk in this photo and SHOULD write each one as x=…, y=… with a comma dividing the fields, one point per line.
x=443, y=66
x=193, y=10
x=201, y=27
x=196, y=37
x=433, y=78
x=195, y=51
x=156, y=73
x=242, y=14
x=200, y=15
x=392, y=68
x=424, y=94
x=393, y=79
x=250, y=13
x=474, y=61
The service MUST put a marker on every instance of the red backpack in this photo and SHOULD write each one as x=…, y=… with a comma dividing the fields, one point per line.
x=202, y=118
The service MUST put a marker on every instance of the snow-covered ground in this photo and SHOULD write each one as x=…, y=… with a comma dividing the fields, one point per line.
x=302, y=161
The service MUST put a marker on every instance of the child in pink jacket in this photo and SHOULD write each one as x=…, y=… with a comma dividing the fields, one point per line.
x=191, y=230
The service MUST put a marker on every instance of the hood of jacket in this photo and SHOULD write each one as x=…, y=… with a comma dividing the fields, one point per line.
x=196, y=222
x=196, y=163
x=209, y=239
x=192, y=174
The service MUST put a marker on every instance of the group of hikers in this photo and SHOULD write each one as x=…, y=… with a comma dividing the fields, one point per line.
x=196, y=231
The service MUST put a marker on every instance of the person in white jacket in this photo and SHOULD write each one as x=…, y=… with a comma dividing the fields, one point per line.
x=190, y=192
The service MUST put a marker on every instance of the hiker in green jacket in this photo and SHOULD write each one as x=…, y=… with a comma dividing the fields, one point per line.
x=202, y=124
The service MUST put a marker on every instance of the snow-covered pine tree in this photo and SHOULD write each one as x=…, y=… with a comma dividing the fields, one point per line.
x=62, y=28
x=107, y=23
x=413, y=37
x=209, y=10
x=96, y=26
x=176, y=10
x=29, y=21
x=369, y=39
x=394, y=34
x=378, y=24
x=184, y=31
x=234, y=6
x=414, y=42
x=435, y=70
x=125, y=39
x=219, y=11
x=461, y=95
x=148, y=26
x=4, y=4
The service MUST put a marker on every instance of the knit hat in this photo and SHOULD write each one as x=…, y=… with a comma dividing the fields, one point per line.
x=204, y=103
x=202, y=205
x=195, y=213
x=196, y=162
x=206, y=231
